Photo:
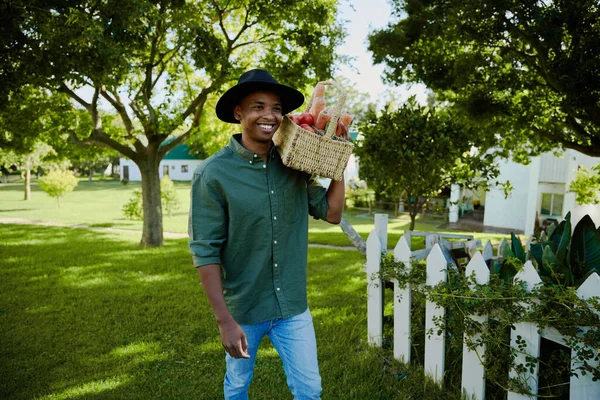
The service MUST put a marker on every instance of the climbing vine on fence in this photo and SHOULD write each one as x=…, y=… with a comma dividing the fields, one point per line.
x=506, y=303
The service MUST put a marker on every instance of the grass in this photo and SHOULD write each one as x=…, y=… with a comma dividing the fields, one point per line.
x=91, y=315
x=98, y=204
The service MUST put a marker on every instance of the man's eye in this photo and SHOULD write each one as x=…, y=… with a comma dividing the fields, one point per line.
x=278, y=109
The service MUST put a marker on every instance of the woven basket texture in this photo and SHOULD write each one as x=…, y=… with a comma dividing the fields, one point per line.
x=324, y=155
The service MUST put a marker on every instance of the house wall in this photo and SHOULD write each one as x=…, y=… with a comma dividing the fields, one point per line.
x=553, y=175
x=175, y=170
x=510, y=212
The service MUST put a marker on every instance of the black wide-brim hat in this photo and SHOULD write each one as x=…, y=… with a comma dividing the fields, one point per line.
x=250, y=82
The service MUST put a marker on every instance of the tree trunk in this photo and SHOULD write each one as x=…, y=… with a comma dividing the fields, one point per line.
x=91, y=174
x=354, y=237
x=27, y=178
x=152, y=233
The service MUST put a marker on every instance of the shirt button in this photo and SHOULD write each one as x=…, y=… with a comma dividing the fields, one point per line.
x=250, y=162
x=275, y=241
x=275, y=264
x=256, y=155
x=272, y=192
x=265, y=166
x=275, y=218
x=278, y=289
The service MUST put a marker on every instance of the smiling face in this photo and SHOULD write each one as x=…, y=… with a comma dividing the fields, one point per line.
x=260, y=115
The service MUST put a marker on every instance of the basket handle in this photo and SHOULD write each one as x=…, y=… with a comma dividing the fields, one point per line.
x=337, y=109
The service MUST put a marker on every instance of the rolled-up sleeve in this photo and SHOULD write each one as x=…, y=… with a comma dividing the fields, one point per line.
x=207, y=224
x=317, y=199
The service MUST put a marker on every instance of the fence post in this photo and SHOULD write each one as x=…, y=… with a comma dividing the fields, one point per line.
x=473, y=380
x=402, y=306
x=529, y=335
x=501, y=247
x=488, y=251
x=435, y=344
x=381, y=222
x=374, y=290
x=582, y=386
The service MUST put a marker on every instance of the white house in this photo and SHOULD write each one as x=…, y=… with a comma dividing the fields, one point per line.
x=540, y=190
x=178, y=164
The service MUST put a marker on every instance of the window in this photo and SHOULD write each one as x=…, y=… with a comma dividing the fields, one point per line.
x=552, y=204
x=184, y=168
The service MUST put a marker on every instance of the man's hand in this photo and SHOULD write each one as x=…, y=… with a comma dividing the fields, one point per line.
x=233, y=339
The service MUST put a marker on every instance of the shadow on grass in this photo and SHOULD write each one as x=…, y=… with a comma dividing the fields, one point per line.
x=91, y=315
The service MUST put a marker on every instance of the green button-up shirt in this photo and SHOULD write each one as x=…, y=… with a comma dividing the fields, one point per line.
x=252, y=218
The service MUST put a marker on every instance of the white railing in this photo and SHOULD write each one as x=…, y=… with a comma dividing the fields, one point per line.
x=473, y=381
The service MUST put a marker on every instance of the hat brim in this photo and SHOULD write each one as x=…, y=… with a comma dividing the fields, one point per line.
x=290, y=98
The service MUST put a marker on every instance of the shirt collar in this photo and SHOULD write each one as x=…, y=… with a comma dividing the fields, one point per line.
x=244, y=153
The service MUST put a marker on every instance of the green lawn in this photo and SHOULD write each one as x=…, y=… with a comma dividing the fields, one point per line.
x=98, y=203
x=91, y=315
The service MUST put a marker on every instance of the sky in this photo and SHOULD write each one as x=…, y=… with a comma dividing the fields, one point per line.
x=364, y=16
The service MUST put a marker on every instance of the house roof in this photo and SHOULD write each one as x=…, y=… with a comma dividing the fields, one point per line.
x=180, y=152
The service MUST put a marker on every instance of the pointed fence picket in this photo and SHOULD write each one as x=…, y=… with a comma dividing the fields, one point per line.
x=435, y=342
x=402, y=304
x=525, y=338
x=473, y=373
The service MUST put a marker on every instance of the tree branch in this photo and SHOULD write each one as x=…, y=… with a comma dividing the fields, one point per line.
x=221, y=24
x=591, y=150
x=115, y=101
x=65, y=89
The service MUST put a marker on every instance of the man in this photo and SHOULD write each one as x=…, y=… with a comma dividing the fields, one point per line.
x=248, y=231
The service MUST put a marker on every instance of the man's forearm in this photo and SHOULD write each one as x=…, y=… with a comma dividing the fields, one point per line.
x=210, y=276
x=335, y=201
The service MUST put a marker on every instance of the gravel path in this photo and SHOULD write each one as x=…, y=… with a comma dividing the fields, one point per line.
x=167, y=235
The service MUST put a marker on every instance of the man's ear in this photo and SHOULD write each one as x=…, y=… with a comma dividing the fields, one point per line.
x=237, y=112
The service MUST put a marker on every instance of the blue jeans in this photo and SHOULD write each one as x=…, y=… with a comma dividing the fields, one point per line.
x=294, y=340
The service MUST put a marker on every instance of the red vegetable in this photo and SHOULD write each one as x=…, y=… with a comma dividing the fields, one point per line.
x=307, y=127
x=306, y=118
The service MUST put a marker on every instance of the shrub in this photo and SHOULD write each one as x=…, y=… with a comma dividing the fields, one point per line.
x=168, y=196
x=134, y=208
x=124, y=181
x=58, y=183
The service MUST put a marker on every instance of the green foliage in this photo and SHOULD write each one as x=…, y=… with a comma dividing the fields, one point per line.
x=507, y=66
x=586, y=185
x=58, y=183
x=568, y=260
x=168, y=195
x=134, y=208
x=169, y=59
x=414, y=152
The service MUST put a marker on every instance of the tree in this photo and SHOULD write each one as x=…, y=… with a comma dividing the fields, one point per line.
x=58, y=183
x=527, y=70
x=586, y=185
x=414, y=152
x=41, y=156
x=157, y=63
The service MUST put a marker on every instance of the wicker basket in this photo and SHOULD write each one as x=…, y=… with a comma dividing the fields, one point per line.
x=324, y=155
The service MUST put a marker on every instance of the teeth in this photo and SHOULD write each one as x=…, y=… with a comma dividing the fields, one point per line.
x=267, y=127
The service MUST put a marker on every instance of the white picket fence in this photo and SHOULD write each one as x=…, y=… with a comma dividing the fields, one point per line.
x=473, y=381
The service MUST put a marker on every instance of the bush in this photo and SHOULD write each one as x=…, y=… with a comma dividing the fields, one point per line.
x=134, y=208
x=168, y=196
x=124, y=181
x=58, y=183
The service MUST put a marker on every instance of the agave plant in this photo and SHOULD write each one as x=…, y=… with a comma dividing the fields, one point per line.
x=562, y=258
x=568, y=259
